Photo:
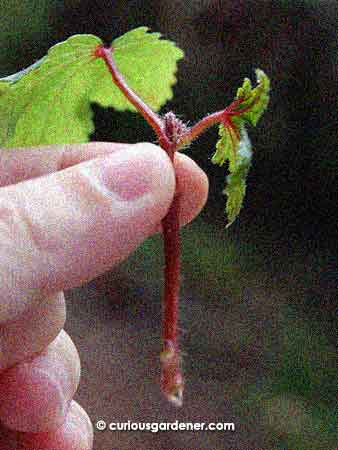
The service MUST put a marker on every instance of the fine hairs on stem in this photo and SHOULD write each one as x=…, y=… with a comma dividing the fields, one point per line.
x=172, y=135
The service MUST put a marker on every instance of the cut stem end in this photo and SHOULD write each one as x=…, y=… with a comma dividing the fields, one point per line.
x=172, y=384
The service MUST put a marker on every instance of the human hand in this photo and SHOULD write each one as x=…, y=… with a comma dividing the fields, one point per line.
x=61, y=226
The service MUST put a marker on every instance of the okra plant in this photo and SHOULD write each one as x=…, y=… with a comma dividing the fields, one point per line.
x=50, y=103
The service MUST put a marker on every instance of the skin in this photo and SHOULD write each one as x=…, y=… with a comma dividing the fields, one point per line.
x=68, y=214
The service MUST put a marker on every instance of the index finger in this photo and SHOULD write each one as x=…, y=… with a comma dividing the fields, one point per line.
x=26, y=163
x=61, y=230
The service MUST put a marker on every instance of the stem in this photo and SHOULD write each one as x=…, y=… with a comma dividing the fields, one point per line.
x=200, y=127
x=150, y=116
x=172, y=134
x=171, y=377
x=208, y=121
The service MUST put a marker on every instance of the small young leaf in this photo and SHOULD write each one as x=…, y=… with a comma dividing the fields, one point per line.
x=235, y=188
x=234, y=144
x=49, y=102
x=256, y=100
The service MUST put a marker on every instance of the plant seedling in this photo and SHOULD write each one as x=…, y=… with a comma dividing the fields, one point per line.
x=49, y=103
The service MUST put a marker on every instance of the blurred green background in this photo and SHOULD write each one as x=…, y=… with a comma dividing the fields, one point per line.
x=258, y=298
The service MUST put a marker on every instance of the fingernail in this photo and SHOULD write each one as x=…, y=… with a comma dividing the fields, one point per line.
x=129, y=173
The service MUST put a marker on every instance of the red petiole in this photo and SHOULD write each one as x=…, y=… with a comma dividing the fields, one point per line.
x=172, y=134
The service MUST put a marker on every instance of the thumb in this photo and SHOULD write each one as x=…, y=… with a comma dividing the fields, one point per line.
x=65, y=228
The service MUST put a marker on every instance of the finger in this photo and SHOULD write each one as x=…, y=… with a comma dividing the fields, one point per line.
x=17, y=165
x=35, y=395
x=21, y=164
x=33, y=331
x=70, y=226
x=192, y=186
x=76, y=433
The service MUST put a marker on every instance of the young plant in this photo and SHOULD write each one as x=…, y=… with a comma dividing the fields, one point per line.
x=49, y=103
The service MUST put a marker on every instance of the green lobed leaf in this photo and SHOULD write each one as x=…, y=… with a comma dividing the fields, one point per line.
x=49, y=102
x=234, y=144
x=148, y=65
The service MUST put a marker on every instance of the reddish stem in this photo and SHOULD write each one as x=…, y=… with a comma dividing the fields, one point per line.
x=172, y=134
x=150, y=116
x=171, y=376
x=209, y=121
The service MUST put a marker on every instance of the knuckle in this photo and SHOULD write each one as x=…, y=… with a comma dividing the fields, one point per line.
x=16, y=226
